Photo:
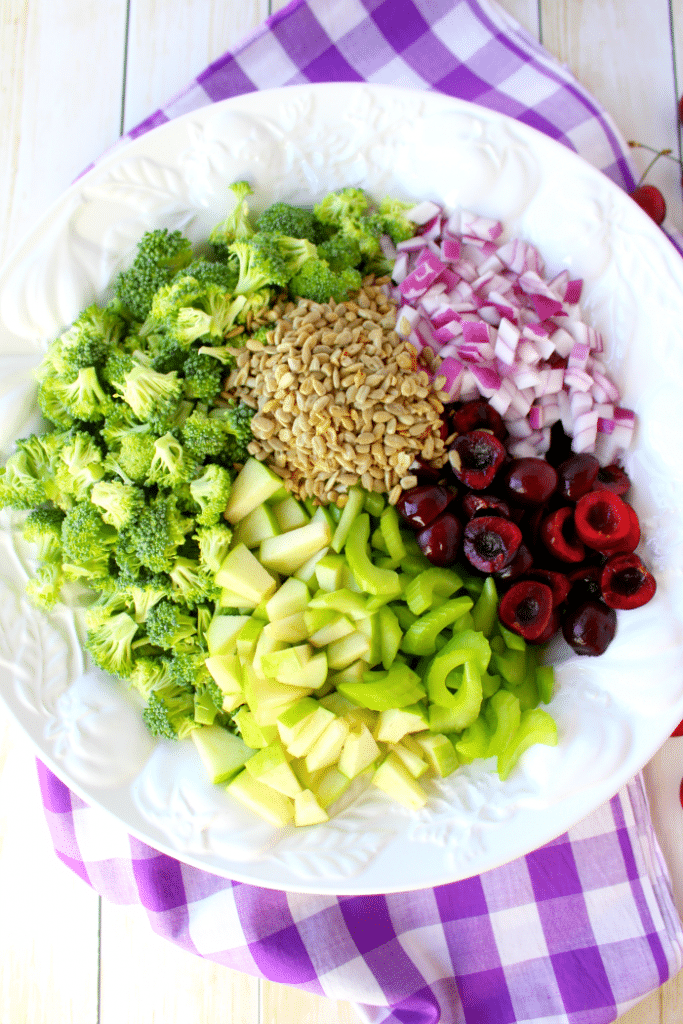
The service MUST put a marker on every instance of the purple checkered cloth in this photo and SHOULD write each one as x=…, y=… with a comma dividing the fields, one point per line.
x=577, y=931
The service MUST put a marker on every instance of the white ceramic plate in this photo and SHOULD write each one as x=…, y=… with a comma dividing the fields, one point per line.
x=297, y=144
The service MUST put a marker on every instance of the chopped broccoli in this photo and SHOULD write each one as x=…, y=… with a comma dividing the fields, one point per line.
x=85, y=536
x=268, y=259
x=296, y=221
x=43, y=529
x=144, y=594
x=110, y=644
x=236, y=225
x=157, y=533
x=152, y=396
x=171, y=464
x=214, y=544
x=202, y=376
x=317, y=281
x=135, y=454
x=79, y=465
x=393, y=221
x=341, y=252
x=349, y=210
x=168, y=625
x=44, y=587
x=169, y=713
x=51, y=405
x=192, y=583
x=120, y=502
x=90, y=338
x=211, y=491
x=208, y=702
x=160, y=255
x=26, y=479
x=148, y=674
x=83, y=396
x=222, y=434
x=221, y=273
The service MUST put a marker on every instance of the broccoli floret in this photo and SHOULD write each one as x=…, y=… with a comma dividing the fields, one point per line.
x=296, y=221
x=191, y=583
x=341, y=252
x=85, y=535
x=214, y=544
x=222, y=434
x=83, y=396
x=43, y=529
x=211, y=491
x=317, y=281
x=51, y=405
x=168, y=625
x=171, y=464
x=148, y=674
x=349, y=210
x=90, y=338
x=152, y=396
x=110, y=644
x=109, y=603
x=135, y=454
x=268, y=259
x=202, y=376
x=208, y=702
x=221, y=273
x=118, y=363
x=236, y=225
x=79, y=465
x=169, y=713
x=120, y=502
x=156, y=534
x=393, y=221
x=43, y=589
x=26, y=479
x=160, y=255
x=256, y=304
x=144, y=594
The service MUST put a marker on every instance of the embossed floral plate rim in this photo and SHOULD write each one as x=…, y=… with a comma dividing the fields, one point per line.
x=613, y=713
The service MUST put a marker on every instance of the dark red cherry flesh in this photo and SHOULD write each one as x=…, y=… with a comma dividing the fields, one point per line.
x=558, y=535
x=530, y=481
x=557, y=581
x=601, y=519
x=589, y=628
x=491, y=542
x=420, y=505
x=477, y=415
x=612, y=478
x=440, y=540
x=475, y=458
x=626, y=582
x=475, y=504
x=577, y=474
x=526, y=608
x=519, y=566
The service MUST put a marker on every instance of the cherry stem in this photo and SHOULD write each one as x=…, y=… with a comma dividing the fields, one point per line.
x=658, y=152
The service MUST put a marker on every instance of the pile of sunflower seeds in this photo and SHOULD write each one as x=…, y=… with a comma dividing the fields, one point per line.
x=340, y=398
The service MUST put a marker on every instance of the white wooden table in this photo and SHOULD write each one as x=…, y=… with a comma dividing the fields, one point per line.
x=74, y=74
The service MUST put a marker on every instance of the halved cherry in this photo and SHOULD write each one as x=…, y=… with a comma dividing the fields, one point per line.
x=530, y=481
x=519, y=566
x=420, y=505
x=584, y=584
x=554, y=623
x=632, y=538
x=474, y=504
x=589, y=628
x=491, y=542
x=475, y=458
x=559, y=535
x=577, y=474
x=557, y=581
x=602, y=519
x=612, y=478
x=475, y=415
x=440, y=539
x=527, y=608
x=626, y=582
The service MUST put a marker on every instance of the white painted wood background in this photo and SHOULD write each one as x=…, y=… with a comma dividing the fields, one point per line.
x=74, y=74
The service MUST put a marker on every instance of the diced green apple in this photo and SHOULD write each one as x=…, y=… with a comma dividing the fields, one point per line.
x=223, y=754
x=329, y=745
x=254, y=735
x=306, y=573
x=242, y=573
x=290, y=551
x=229, y=599
x=439, y=752
x=393, y=778
x=290, y=514
x=270, y=766
x=226, y=670
x=254, y=484
x=260, y=523
x=291, y=629
x=289, y=599
x=339, y=627
x=393, y=724
x=267, y=698
x=247, y=638
x=330, y=572
x=307, y=810
x=415, y=764
x=359, y=751
x=342, y=653
x=330, y=785
x=275, y=807
x=311, y=730
x=221, y=634
x=291, y=721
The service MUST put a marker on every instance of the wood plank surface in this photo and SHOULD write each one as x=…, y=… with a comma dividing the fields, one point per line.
x=73, y=73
